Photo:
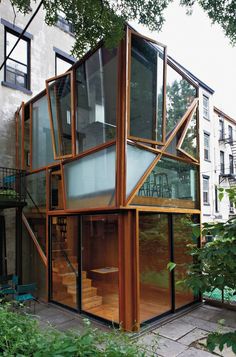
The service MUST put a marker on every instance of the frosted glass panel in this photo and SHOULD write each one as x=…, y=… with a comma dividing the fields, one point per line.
x=138, y=162
x=90, y=181
x=42, y=153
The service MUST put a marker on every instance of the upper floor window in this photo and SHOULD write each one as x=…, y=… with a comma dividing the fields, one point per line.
x=230, y=133
x=216, y=200
x=206, y=146
x=63, y=23
x=17, y=67
x=221, y=129
x=205, y=107
x=222, y=162
x=205, y=189
x=62, y=64
x=231, y=164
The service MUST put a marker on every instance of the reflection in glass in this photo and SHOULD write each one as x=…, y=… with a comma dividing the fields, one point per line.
x=33, y=268
x=100, y=290
x=60, y=100
x=90, y=181
x=189, y=143
x=137, y=163
x=64, y=251
x=26, y=139
x=56, y=201
x=19, y=139
x=35, y=210
x=146, y=90
x=171, y=183
x=183, y=235
x=179, y=95
x=42, y=151
x=96, y=83
x=155, y=290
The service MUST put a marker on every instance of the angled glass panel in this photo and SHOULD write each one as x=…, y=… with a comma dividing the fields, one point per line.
x=60, y=101
x=179, y=95
x=42, y=150
x=137, y=163
x=189, y=143
x=26, y=138
x=171, y=183
x=146, y=89
x=19, y=139
x=96, y=84
x=90, y=181
x=35, y=210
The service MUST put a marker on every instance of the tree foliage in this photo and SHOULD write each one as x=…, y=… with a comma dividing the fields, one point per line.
x=96, y=19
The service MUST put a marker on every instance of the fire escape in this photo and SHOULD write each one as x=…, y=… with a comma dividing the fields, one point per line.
x=230, y=176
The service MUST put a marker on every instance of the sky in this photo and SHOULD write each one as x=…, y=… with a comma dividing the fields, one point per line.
x=203, y=49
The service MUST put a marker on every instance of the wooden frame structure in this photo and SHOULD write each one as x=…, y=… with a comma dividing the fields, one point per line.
x=129, y=212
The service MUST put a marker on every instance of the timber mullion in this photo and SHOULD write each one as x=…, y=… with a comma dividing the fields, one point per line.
x=22, y=136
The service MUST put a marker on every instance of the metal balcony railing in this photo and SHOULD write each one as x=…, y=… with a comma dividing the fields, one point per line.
x=12, y=187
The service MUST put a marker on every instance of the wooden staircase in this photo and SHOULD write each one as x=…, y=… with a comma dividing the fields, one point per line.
x=64, y=276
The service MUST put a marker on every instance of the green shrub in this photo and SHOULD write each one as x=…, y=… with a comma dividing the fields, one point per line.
x=21, y=336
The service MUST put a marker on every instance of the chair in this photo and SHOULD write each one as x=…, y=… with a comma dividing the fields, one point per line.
x=24, y=293
x=8, y=284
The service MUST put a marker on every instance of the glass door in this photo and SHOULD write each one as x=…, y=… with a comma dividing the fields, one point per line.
x=100, y=270
x=64, y=261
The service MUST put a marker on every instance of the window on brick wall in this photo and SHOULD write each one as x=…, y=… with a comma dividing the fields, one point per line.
x=206, y=146
x=205, y=189
x=205, y=107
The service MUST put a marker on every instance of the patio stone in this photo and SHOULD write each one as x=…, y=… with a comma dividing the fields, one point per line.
x=205, y=325
x=174, y=330
x=195, y=352
x=161, y=346
x=192, y=336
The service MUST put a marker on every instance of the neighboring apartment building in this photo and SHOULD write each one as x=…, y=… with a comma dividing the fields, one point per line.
x=218, y=163
x=43, y=52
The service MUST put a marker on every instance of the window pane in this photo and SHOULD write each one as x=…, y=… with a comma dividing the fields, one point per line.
x=155, y=285
x=42, y=151
x=56, y=198
x=64, y=276
x=183, y=235
x=35, y=210
x=90, y=181
x=19, y=139
x=146, y=90
x=60, y=98
x=100, y=269
x=96, y=81
x=20, y=52
x=27, y=138
x=189, y=144
x=137, y=163
x=171, y=183
x=179, y=95
x=62, y=65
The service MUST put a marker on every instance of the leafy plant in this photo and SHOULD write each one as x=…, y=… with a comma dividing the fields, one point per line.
x=21, y=336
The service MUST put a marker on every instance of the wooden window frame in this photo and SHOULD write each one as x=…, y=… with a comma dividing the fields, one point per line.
x=72, y=102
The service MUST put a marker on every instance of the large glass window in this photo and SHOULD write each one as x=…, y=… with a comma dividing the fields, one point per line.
x=60, y=108
x=19, y=155
x=42, y=150
x=138, y=161
x=182, y=236
x=17, y=69
x=96, y=83
x=146, y=90
x=90, y=181
x=189, y=143
x=56, y=193
x=171, y=183
x=27, y=137
x=100, y=269
x=35, y=210
x=64, y=265
x=179, y=95
x=154, y=255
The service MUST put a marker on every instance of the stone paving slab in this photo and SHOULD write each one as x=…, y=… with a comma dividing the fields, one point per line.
x=204, y=324
x=192, y=336
x=194, y=352
x=174, y=330
x=161, y=346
